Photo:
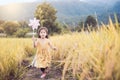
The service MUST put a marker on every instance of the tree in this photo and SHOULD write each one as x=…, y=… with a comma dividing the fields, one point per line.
x=21, y=32
x=10, y=27
x=80, y=26
x=23, y=24
x=47, y=16
x=1, y=22
x=90, y=21
x=1, y=26
x=1, y=30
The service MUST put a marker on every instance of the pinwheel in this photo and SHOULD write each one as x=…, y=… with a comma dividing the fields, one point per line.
x=34, y=24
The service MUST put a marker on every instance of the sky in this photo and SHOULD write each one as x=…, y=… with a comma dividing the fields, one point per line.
x=4, y=2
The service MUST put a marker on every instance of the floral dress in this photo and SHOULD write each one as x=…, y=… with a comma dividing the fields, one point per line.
x=42, y=58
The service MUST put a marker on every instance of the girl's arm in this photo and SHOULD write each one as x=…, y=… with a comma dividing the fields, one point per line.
x=34, y=41
x=51, y=46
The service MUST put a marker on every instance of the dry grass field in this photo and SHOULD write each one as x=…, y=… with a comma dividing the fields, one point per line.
x=93, y=55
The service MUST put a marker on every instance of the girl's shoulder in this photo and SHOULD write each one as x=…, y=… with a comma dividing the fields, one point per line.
x=37, y=40
x=47, y=39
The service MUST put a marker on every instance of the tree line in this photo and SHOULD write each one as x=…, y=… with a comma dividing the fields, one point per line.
x=46, y=13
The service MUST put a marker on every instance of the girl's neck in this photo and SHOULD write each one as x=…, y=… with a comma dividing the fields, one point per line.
x=42, y=38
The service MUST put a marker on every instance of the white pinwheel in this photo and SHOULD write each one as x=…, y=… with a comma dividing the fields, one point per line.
x=34, y=24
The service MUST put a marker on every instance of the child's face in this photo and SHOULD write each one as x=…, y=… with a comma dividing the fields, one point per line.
x=43, y=33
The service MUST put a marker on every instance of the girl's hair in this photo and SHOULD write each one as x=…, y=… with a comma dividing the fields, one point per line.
x=42, y=28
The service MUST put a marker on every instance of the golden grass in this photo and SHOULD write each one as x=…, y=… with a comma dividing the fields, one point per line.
x=93, y=55
x=90, y=55
x=12, y=52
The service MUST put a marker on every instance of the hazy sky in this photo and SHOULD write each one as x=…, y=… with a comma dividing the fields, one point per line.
x=4, y=2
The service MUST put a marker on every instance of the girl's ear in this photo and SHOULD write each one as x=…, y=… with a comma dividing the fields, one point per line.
x=46, y=36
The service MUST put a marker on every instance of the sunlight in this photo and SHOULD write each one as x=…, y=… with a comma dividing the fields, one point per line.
x=5, y=2
x=12, y=9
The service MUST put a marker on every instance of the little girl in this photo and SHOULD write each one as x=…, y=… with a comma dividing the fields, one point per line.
x=42, y=58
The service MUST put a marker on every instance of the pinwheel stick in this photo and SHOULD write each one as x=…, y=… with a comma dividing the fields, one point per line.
x=34, y=24
x=33, y=32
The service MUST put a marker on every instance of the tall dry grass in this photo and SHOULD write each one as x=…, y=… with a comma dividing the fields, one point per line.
x=86, y=55
x=90, y=55
x=12, y=52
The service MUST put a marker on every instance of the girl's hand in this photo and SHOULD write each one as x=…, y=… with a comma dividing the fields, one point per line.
x=55, y=48
x=34, y=39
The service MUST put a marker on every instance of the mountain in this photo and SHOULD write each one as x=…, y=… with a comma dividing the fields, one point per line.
x=68, y=11
x=116, y=7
